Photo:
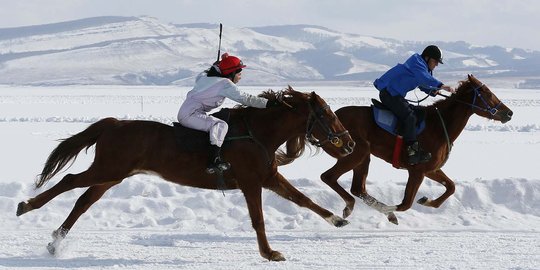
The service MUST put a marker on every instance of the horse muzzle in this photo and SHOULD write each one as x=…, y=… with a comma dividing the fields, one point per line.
x=505, y=115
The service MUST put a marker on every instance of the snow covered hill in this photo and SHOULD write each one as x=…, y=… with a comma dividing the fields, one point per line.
x=145, y=51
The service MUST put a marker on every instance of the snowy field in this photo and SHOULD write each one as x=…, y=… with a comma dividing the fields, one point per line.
x=491, y=222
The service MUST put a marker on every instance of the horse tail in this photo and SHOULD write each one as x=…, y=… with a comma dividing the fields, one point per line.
x=294, y=148
x=69, y=148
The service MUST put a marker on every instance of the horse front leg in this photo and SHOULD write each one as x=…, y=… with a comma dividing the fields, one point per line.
x=283, y=188
x=89, y=197
x=359, y=156
x=330, y=178
x=254, y=203
x=439, y=177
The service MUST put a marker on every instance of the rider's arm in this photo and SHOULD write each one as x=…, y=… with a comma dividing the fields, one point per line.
x=426, y=81
x=230, y=90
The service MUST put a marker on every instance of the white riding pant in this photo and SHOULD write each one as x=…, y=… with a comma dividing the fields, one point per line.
x=216, y=128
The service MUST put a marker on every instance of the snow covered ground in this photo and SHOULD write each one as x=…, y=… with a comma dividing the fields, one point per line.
x=491, y=222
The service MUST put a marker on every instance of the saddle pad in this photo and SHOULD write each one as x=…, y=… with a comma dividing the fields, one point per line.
x=389, y=122
x=193, y=140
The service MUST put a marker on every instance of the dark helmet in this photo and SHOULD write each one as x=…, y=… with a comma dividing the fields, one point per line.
x=434, y=52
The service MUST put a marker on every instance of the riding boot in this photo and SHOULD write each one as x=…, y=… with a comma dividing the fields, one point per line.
x=416, y=154
x=215, y=161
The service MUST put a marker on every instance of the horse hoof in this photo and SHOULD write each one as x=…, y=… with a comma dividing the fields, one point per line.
x=423, y=200
x=51, y=248
x=346, y=212
x=392, y=218
x=276, y=256
x=341, y=223
x=336, y=221
x=23, y=207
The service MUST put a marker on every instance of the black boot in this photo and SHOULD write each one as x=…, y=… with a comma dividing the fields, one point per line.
x=215, y=162
x=416, y=154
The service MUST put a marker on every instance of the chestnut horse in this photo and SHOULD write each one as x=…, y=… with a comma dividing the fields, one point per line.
x=445, y=119
x=126, y=148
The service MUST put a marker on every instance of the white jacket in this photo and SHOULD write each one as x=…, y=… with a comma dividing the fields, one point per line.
x=208, y=94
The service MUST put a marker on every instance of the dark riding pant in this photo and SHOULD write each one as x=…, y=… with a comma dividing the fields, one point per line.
x=404, y=112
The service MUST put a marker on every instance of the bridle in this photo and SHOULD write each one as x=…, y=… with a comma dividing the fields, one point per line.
x=316, y=117
x=477, y=94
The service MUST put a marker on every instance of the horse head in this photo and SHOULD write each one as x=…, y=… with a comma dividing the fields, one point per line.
x=483, y=102
x=323, y=128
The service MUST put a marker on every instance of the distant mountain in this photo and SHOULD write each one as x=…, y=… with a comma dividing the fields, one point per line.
x=143, y=50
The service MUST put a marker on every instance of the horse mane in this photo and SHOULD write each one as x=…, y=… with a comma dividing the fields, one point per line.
x=271, y=94
x=462, y=89
x=295, y=146
x=268, y=94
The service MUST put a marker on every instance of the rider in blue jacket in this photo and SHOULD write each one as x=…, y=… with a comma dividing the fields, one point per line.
x=394, y=85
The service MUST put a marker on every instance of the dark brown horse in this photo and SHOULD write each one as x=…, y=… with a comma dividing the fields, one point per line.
x=445, y=120
x=126, y=148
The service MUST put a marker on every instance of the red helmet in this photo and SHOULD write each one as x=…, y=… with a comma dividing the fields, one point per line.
x=229, y=64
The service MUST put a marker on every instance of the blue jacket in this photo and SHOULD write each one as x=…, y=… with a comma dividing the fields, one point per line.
x=405, y=77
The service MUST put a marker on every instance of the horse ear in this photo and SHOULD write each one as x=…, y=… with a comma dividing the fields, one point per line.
x=289, y=87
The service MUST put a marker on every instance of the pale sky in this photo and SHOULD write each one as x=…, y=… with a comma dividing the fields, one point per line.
x=507, y=23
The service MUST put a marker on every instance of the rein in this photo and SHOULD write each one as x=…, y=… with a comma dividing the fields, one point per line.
x=316, y=117
x=487, y=108
x=417, y=101
x=250, y=137
x=448, y=142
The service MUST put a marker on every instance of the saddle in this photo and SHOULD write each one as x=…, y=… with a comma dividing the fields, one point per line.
x=386, y=120
x=192, y=140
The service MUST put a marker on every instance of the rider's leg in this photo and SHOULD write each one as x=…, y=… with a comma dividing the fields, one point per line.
x=407, y=117
x=217, y=136
x=217, y=129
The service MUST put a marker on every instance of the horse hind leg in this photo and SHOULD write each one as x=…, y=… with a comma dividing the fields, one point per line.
x=89, y=197
x=67, y=183
x=93, y=176
x=358, y=188
x=381, y=207
x=360, y=173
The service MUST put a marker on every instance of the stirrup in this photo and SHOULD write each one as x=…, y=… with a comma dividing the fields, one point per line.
x=417, y=159
x=221, y=166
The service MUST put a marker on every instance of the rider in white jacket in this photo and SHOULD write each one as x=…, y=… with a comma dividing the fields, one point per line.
x=211, y=88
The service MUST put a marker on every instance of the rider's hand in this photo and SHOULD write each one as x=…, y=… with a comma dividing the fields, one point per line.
x=448, y=88
x=272, y=103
